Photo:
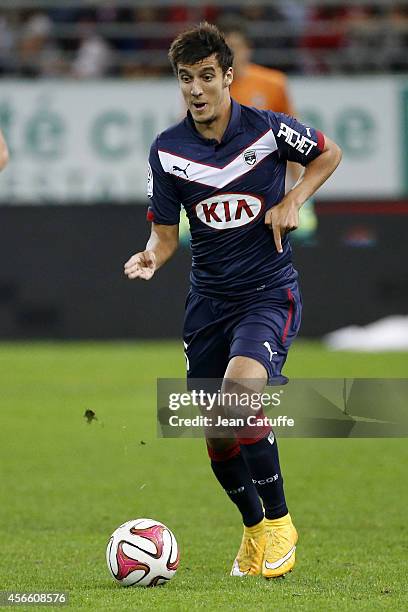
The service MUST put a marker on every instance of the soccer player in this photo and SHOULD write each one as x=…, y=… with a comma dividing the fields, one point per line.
x=4, y=155
x=225, y=163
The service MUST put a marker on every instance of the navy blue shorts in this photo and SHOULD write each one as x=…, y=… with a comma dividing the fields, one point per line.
x=262, y=327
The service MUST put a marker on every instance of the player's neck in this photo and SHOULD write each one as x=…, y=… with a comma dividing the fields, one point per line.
x=216, y=128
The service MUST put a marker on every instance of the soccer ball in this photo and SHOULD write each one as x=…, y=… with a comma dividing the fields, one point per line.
x=142, y=552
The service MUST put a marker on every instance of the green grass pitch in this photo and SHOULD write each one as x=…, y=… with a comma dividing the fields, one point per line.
x=66, y=485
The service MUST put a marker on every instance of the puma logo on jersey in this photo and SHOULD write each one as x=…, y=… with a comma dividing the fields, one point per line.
x=296, y=140
x=227, y=210
x=186, y=356
x=182, y=170
x=270, y=351
x=149, y=181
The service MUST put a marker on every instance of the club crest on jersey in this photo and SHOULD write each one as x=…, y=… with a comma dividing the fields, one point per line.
x=250, y=157
x=228, y=210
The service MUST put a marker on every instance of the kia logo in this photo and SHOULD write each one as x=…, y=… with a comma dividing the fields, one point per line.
x=227, y=210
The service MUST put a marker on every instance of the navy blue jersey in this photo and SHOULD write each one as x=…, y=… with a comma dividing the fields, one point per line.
x=226, y=187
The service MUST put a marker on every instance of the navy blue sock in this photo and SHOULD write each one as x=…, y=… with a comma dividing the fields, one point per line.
x=235, y=479
x=262, y=459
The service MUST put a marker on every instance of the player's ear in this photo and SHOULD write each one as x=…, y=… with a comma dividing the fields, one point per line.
x=228, y=77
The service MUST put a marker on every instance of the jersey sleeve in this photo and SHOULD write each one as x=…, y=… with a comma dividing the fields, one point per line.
x=164, y=207
x=295, y=141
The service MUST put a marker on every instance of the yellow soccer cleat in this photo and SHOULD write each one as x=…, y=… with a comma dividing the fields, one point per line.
x=280, y=547
x=248, y=561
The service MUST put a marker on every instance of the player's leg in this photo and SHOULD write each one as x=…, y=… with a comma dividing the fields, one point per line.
x=258, y=444
x=258, y=351
x=260, y=453
x=207, y=349
x=249, y=558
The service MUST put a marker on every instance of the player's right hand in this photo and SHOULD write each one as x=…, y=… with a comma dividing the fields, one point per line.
x=141, y=265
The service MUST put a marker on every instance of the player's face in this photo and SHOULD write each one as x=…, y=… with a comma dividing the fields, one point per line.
x=205, y=89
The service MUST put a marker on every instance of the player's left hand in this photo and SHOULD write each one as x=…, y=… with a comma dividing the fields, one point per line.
x=281, y=219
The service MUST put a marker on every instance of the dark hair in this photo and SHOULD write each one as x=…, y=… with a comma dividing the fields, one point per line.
x=194, y=45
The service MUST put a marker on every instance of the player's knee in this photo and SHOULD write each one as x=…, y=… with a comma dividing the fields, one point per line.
x=240, y=398
x=242, y=369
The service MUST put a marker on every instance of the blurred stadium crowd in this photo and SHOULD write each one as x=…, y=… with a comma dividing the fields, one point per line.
x=121, y=38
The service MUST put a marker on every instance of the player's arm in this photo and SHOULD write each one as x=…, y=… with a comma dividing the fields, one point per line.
x=319, y=155
x=316, y=173
x=162, y=244
x=164, y=215
x=284, y=217
x=4, y=154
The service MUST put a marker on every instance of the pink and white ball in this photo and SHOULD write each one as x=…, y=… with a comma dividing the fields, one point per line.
x=142, y=552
